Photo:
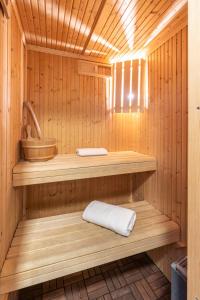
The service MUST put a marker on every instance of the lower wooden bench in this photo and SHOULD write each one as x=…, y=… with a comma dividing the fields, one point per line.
x=51, y=247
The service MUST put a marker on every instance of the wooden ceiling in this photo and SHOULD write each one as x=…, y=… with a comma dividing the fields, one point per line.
x=100, y=28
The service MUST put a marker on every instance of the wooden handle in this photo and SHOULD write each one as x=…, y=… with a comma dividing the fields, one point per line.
x=37, y=126
x=28, y=132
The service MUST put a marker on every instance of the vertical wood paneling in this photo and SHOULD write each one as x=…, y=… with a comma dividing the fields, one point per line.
x=163, y=133
x=193, y=151
x=73, y=108
x=11, y=97
x=135, y=84
x=2, y=131
x=118, y=86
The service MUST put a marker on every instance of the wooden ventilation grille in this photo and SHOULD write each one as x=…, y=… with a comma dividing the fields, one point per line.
x=94, y=69
x=129, y=86
x=126, y=83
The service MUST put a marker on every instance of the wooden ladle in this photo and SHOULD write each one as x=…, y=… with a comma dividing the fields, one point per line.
x=28, y=132
x=37, y=126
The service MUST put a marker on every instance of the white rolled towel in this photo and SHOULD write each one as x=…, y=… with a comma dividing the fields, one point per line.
x=91, y=151
x=118, y=219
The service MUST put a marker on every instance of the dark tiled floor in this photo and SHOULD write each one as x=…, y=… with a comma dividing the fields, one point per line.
x=133, y=278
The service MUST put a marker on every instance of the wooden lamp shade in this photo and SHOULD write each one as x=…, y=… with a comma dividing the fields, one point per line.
x=128, y=85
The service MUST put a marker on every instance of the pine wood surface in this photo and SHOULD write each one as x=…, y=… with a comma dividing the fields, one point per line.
x=193, y=151
x=47, y=248
x=11, y=97
x=102, y=29
x=71, y=167
x=163, y=133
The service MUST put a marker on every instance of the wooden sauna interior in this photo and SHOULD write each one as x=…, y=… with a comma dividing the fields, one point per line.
x=71, y=60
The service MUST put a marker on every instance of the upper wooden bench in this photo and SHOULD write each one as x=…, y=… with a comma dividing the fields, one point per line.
x=71, y=167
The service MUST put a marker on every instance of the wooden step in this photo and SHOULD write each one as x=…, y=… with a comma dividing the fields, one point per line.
x=48, y=248
x=71, y=167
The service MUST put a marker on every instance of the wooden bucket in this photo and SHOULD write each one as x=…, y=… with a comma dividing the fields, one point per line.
x=37, y=149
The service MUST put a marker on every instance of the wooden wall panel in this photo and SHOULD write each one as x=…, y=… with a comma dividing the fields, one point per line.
x=11, y=97
x=74, y=109
x=52, y=199
x=193, y=151
x=162, y=131
x=2, y=131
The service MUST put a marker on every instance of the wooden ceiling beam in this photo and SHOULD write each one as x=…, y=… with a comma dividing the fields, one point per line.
x=101, y=7
x=16, y=12
x=68, y=54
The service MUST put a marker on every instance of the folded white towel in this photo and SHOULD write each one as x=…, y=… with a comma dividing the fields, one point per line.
x=91, y=151
x=118, y=219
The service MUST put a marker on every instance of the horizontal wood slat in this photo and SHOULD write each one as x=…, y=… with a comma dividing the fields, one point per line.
x=132, y=278
x=71, y=167
x=37, y=254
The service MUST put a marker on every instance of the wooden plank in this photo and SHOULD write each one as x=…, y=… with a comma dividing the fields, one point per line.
x=118, y=87
x=142, y=103
x=171, y=30
x=161, y=131
x=30, y=265
x=109, y=13
x=84, y=246
x=86, y=23
x=15, y=9
x=30, y=20
x=72, y=23
x=136, y=21
x=91, y=261
x=98, y=14
x=65, y=26
x=128, y=16
x=70, y=167
x=91, y=69
x=135, y=66
x=150, y=21
x=99, y=29
x=179, y=126
x=193, y=149
x=127, y=75
x=94, y=125
x=74, y=220
x=113, y=26
x=74, y=234
x=184, y=132
x=66, y=54
x=11, y=86
x=82, y=11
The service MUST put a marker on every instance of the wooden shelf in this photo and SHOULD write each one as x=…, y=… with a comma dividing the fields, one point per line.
x=51, y=247
x=72, y=167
